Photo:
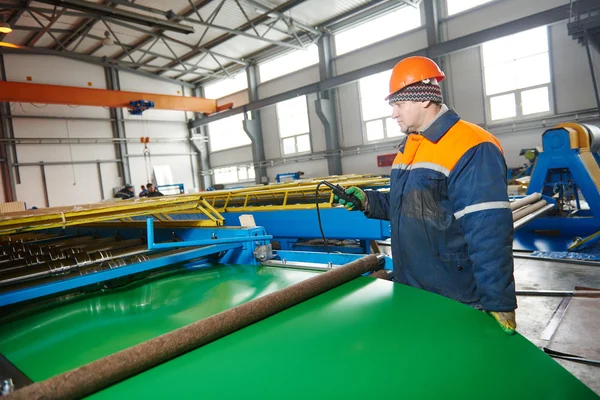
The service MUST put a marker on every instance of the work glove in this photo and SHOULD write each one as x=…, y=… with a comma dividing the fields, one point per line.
x=506, y=320
x=350, y=206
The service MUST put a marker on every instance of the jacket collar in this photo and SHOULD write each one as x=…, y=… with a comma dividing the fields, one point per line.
x=442, y=123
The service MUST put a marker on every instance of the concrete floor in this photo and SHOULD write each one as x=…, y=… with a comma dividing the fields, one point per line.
x=534, y=313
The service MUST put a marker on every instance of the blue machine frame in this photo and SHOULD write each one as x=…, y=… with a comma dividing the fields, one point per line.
x=219, y=245
x=563, y=169
x=288, y=226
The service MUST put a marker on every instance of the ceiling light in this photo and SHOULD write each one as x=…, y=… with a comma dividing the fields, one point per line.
x=108, y=41
x=4, y=26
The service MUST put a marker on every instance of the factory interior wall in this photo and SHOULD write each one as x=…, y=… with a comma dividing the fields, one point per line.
x=571, y=86
x=79, y=183
x=67, y=184
x=169, y=124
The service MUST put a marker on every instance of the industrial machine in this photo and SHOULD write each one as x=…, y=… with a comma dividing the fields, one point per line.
x=115, y=300
x=567, y=171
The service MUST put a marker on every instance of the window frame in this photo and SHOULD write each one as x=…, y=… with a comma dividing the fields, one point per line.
x=477, y=7
x=248, y=167
x=281, y=139
x=281, y=56
x=519, y=117
x=210, y=150
x=386, y=138
x=378, y=41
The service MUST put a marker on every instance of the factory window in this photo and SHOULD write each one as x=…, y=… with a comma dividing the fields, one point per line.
x=226, y=87
x=234, y=174
x=517, y=75
x=227, y=133
x=289, y=63
x=376, y=112
x=457, y=6
x=294, y=131
x=377, y=29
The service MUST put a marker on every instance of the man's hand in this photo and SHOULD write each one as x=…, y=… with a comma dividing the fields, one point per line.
x=350, y=206
x=506, y=320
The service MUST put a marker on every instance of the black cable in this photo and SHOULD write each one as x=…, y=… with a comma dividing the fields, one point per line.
x=319, y=217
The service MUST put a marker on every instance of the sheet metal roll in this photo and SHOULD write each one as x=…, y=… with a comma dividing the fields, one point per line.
x=594, y=133
x=109, y=370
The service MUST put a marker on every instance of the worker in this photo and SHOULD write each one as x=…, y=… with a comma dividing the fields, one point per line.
x=126, y=193
x=448, y=202
x=152, y=191
x=144, y=192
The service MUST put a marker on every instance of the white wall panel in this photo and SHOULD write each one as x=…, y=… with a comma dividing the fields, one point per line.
x=465, y=82
x=350, y=112
x=64, y=181
x=31, y=190
x=237, y=156
x=294, y=80
x=62, y=71
x=311, y=169
x=365, y=163
x=571, y=68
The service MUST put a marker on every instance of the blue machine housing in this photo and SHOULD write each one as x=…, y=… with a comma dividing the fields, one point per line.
x=567, y=170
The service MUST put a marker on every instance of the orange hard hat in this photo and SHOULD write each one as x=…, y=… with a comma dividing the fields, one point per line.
x=412, y=70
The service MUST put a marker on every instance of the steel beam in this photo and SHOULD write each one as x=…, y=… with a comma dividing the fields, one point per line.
x=253, y=127
x=287, y=19
x=118, y=126
x=21, y=92
x=325, y=107
x=543, y=18
x=37, y=36
x=223, y=38
x=9, y=151
x=15, y=17
x=123, y=15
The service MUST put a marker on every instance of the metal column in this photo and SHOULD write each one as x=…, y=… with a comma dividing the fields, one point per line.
x=253, y=127
x=592, y=71
x=118, y=125
x=206, y=180
x=8, y=150
x=325, y=107
x=432, y=26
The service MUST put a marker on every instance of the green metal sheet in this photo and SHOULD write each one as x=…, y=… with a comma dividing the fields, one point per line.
x=75, y=332
x=367, y=339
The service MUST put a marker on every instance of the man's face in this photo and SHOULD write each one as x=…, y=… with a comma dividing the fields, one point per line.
x=408, y=115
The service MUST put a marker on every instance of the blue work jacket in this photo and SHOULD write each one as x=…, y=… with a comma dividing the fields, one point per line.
x=451, y=221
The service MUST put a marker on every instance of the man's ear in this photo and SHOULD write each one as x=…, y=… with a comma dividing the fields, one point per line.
x=426, y=104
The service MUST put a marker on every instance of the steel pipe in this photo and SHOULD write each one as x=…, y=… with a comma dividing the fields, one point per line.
x=528, y=218
x=532, y=198
x=517, y=215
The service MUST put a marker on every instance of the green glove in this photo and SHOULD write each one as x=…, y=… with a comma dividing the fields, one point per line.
x=506, y=320
x=350, y=206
